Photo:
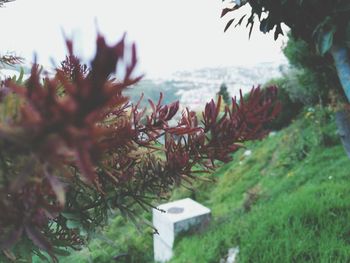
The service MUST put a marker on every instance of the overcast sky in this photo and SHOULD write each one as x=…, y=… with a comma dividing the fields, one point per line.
x=170, y=34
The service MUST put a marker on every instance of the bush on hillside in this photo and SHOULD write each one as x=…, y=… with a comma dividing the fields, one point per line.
x=290, y=108
x=311, y=77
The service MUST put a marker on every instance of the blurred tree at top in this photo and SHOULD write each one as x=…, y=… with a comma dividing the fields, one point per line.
x=324, y=24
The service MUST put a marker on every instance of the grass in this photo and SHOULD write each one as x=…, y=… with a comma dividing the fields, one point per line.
x=289, y=201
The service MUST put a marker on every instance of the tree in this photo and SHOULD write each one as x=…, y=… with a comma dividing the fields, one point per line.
x=325, y=24
x=224, y=93
x=2, y=2
x=316, y=76
x=74, y=148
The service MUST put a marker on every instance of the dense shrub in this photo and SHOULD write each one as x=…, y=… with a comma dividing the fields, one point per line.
x=311, y=77
x=290, y=108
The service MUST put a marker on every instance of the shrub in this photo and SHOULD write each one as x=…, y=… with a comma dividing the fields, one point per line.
x=311, y=77
x=290, y=108
x=74, y=149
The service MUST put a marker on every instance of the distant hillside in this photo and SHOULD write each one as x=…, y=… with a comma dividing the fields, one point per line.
x=195, y=88
x=192, y=88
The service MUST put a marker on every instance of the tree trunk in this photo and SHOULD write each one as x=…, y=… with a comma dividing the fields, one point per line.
x=342, y=119
x=341, y=58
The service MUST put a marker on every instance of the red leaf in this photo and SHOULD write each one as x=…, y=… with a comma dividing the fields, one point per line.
x=86, y=167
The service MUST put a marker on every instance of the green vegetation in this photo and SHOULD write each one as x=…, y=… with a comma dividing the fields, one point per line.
x=121, y=237
x=224, y=93
x=286, y=202
x=312, y=78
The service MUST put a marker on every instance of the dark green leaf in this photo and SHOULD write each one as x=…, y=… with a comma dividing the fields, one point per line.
x=264, y=25
x=229, y=23
x=278, y=31
x=71, y=224
x=240, y=20
x=251, y=30
x=61, y=252
x=70, y=216
x=227, y=10
x=40, y=255
x=325, y=41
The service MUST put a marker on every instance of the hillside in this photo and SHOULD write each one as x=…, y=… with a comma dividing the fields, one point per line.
x=286, y=202
x=186, y=86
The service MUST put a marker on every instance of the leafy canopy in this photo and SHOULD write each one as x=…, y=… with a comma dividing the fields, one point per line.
x=324, y=22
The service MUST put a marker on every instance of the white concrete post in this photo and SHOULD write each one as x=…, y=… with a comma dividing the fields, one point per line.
x=179, y=216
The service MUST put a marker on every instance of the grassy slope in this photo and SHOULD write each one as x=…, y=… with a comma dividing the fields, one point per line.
x=299, y=201
x=287, y=202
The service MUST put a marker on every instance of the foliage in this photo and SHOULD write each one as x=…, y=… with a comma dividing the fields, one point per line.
x=327, y=28
x=74, y=149
x=302, y=208
x=315, y=77
x=10, y=59
x=2, y=2
x=291, y=106
x=310, y=40
x=328, y=23
x=119, y=238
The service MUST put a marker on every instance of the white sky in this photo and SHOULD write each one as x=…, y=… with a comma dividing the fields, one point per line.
x=170, y=34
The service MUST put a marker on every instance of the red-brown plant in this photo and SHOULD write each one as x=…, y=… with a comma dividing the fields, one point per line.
x=76, y=148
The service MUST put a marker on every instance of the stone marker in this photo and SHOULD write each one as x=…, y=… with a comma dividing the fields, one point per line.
x=179, y=216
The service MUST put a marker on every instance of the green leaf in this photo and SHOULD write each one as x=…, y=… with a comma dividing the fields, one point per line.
x=72, y=224
x=264, y=25
x=325, y=40
x=61, y=252
x=278, y=31
x=229, y=23
x=227, y=10
x=20, y=77
x=240, y=20
x=251, y=30
x=70, y=216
